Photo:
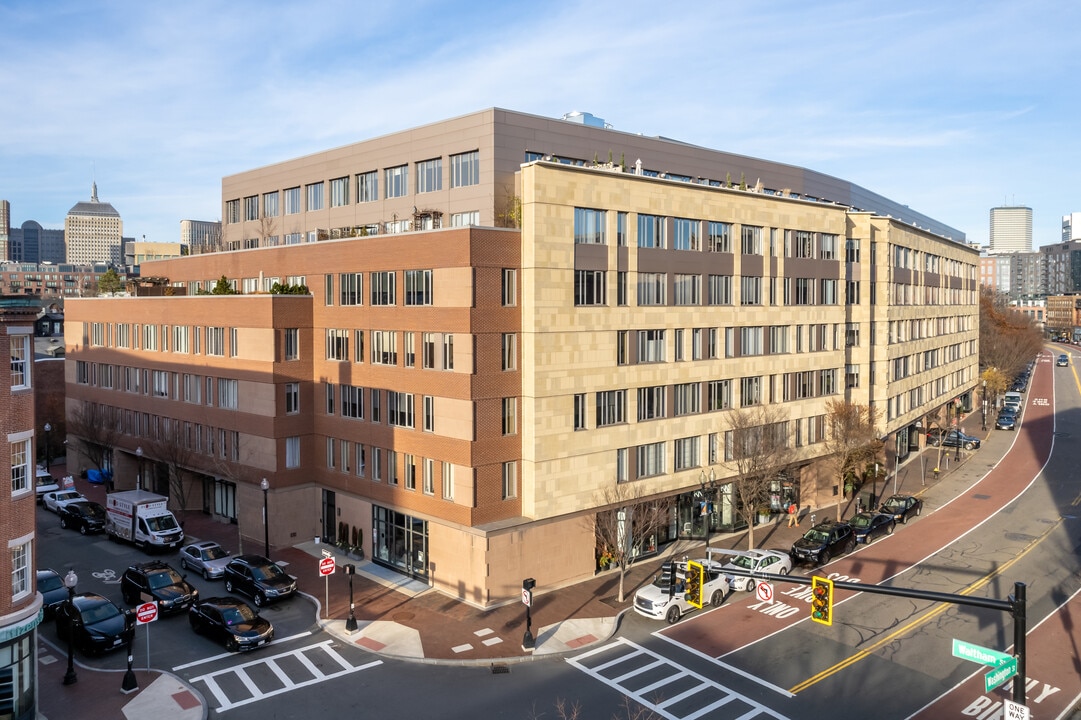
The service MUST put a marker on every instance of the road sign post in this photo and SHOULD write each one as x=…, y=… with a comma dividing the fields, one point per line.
x=146, y=613
x=326, y=569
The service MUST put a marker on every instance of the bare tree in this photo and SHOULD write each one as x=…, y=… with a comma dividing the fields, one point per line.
x=851, y=442
x=760, y=449
x=173, y=448
x=628, y=524
x=1009, y=339
x=95, y=429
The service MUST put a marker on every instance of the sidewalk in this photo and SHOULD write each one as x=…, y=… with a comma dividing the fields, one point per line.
x=400, y=618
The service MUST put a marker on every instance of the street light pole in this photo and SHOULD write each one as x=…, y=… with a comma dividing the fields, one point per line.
x=266, y=521
x=70, y=581
x=351, y=623
x=708, y=487
x=983, y=404
x=139, y=476
x=957, y=450
x=48, y=455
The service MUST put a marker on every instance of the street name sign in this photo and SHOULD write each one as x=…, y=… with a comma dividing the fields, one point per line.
x=999, y=675
x=982, y=655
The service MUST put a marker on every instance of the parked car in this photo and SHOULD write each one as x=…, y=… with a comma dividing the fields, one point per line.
x=871, y=525
x=774, y=562
x=902, y=507
x=1013, y=401
x=822, y=542
x=953, y=438
x=231, y=622
x=93, y=623
x=53, y=592
x=44, y=483
x=206, y=558
x=1063, y=361
x=1006, y=420
x=259, y=578
x=86, y=516
x=157, y=581
x=664, y=598
x=53, y=500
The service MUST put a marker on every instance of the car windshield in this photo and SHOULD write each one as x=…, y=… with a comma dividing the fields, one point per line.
x=816, y=536
x=93, y=510
x=894, y=504
x=99, y=612
x=861, y=521
x=214, y=553
x=236, y=615
x=161, y=523
x=52, y=582
x=164, y=578
x=267, y=572
x=744, y=561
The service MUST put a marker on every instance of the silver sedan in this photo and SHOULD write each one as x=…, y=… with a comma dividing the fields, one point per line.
x=206, y=558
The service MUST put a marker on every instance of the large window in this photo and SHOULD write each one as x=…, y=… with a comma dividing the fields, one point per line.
x=292, y=343
x=718, y=395
x=720, y=289
x=430, y=175
x=384, y=347
x=589, y=226
x=465, y=169
x=20, y=361
x=685, y=234
x=611, y=407
x=650, y=460
x=368, y=187
x=383, y=288
x=400, y=409
x=337, y=344
x=292, y=398
x=351, y=289
x=292, y=452
x=397, y=181
x=751, y=240
x=215, y=341
x=687, y=289
x=20, y=569
x=292, y=200
x=352, y=402
x=315, y=196
x=750, y=390
x=251, y=207
x=418, y=287
x=687, y=398
x=339, y=192
x=687, y=452
x=651, y=346
x=232, y=211
x=509, y=289
x=750, y=291
x=510, y=480
x=589, y=287
x=651, y=231
x=270, y=204
x=719, y=237
x=228, y=393
x=20, y=466
x=651, y=288
x=651, y=405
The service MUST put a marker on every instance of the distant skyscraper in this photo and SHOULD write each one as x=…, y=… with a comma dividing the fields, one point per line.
x=93, y=231
x=200, y=235
x=32, y=243
x=1071, y=227
x=1011, y=229
x=5, y=229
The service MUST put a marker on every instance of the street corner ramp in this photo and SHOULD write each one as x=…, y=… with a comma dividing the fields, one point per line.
x=389, y=638
x=573, y=634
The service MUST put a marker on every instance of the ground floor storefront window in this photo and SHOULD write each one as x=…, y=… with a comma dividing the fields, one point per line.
x=400, y=542
x=219, y=498
x=694, y=511
x=17, y=678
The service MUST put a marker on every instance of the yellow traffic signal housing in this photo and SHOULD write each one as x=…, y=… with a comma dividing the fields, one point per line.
x=695, y=579
x=822, y=600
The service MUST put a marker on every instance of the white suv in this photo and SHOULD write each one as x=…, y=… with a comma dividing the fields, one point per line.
x=660, y=600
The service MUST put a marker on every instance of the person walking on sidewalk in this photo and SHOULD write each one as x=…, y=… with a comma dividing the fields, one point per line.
x=793, y=515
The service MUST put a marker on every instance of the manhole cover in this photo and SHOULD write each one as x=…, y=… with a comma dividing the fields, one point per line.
x=403, y=616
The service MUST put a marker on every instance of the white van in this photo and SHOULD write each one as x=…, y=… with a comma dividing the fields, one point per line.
x=1012, y=400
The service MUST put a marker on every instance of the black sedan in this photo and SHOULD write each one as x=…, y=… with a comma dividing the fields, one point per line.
x=902, y=507
x=231, y=622
x=85, y=516
x=93, y=623
x=954, y=438
x=1006, y=420
x=869, y=526
x=53, y=592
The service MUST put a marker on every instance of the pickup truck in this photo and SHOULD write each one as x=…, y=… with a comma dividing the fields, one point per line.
x=663, y=600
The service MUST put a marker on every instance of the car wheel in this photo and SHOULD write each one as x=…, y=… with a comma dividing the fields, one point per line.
x=850, y=546
x=969, y=446
x=671, y=617
x=717, y=598
x=919, y=509
x=260, y=599
x=824, y=557
x=904, y=519
x=782, y=571
x=868, y=538
x=82, y=529
x=228, y=586
x=890, y=528
x=750, y=585
x=63, y=522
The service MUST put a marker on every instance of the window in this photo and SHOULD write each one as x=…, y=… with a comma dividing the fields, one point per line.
x=651, y=403
x=383, y=288
x=358, y=346
x=368, y=187
x=352, y=401
x=448, y=481
x=270, y=204
x=852, y=251
x=589, y=226
x=651, y=288
x=589, y=287
x=650, y=346
x=428, y=472
x=361, y=459
x=427, y=350
x=802, y=244
x=827, y=246
x=292, y=200
x=384, y=347
x=180, y=339
x=751, y=240
x=621, y=288
x=622, y=455
x=251, y=207
x=687, y=453
x=679, y=344
x=687, y=398
x=20, y=571
x=611, y=407
x=621, y=229
x=409, y=350
x=227, y=393
x=510, y=480
x=332, y=453
x=232, y=211
x=150, y=338
x=418, y=287
x=828, y=294
x=292, y=452
x=750, y=391
x=510, y=416
x=580, y=411
x=852, y=292
x=292, y=398
x=718, y=395
x=510, y=351
x=397, y=181
x=650, y=460
x=314, y=194
x=429, y=175
x=687, y=289
x=720, y=290
x=377, y=464
x=465, y=219
x=215, y=341
x=337, y=344
x=400, y=409
x=685, y=234
x=448, y=351
x=428, y=409
x=234, y=342
x=719, y=237
x=465, y=169
x=20, y=466
x=161, y=383
x=510, y=287
x=651, y=231
x=292, y=343
x=805, y=288
x=339, y=192
x=623, y=347
x=20, y=361
x=750, y=291
x=751, y=341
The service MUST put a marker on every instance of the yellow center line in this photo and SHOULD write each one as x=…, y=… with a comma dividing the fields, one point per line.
x=928, y=615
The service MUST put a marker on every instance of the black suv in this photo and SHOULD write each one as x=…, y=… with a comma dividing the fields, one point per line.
x=85, y=515
x=258, y=578
x=822, y=542
x=156, y=581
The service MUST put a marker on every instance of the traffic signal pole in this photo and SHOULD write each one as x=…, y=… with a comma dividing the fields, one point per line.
x=1015, y=605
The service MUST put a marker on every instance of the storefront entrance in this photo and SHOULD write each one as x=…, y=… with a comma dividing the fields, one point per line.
x=400, y=542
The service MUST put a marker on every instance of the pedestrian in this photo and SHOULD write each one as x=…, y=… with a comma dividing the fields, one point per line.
x=793, y=515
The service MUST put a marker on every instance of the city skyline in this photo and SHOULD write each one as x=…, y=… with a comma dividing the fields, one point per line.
x=961, y=111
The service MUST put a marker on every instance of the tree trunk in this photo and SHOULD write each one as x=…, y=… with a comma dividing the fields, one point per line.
x=622, y=574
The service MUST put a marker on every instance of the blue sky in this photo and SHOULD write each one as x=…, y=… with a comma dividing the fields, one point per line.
x=951, y=108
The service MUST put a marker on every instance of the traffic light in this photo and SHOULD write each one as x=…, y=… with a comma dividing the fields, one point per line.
x=695, y=573
x=822, y=600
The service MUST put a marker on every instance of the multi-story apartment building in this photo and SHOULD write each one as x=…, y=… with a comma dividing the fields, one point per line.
x=466, y=395
x=5, y=228
x=93, y=232
x=1011, y=229
x=201, y=235
x=20, y=603
x=50, y=281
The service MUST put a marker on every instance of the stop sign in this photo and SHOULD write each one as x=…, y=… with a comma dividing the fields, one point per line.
x=147, y=612
x=326, y=566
